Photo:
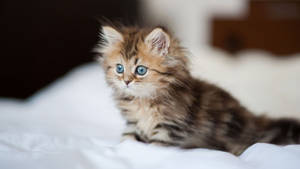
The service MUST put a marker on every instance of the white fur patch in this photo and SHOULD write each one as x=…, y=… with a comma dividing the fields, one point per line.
x=136, y=89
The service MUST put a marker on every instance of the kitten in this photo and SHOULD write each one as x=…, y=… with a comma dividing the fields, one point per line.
x=163, y=104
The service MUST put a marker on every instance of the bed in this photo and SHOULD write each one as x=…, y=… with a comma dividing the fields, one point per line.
x=73, y=123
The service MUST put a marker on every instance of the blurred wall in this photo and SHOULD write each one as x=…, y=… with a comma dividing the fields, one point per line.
x=190, y=19
x=231, y=25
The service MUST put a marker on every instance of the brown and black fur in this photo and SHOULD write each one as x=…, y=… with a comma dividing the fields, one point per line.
x=181, y=110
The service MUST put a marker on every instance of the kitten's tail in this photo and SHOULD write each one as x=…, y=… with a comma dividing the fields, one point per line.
x=281, y=132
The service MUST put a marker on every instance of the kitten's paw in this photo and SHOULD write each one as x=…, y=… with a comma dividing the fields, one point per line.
x=128, y=137
x=161, y=143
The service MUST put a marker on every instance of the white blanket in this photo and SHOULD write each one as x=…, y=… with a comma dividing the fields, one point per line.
x=73, y=124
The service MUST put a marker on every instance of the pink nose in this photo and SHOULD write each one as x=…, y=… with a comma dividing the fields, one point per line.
x=127, y=82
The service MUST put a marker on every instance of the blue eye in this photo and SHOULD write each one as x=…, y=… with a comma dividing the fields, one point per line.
x=120, y=68
x=141, y=70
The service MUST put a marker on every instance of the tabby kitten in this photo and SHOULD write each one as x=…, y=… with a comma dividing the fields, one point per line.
x=163, y=104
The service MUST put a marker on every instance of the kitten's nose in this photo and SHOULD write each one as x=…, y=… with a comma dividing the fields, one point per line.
x=127, y=82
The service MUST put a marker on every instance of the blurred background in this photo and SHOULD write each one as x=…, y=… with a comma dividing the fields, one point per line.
x=42, y=40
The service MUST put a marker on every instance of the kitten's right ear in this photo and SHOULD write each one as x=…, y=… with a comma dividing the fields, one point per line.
x=158, y=41
x=110, y=35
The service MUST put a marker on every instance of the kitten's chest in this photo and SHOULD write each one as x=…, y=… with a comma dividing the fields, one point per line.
x=141, y=112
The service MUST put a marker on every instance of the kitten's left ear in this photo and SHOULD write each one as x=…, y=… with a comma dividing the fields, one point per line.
x=111, y=35
x=158, y=41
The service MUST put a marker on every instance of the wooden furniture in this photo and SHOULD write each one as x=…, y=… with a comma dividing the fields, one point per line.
x=42, y=40
x=271, y=25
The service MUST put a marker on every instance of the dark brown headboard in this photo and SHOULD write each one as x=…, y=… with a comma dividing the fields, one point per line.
x=40, y=40
x=271, y=25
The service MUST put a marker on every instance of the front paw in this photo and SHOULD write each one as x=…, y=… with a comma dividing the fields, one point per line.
x=128, y=136
x=161, y=143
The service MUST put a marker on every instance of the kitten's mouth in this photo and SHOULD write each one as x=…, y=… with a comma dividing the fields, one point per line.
x=127, y=88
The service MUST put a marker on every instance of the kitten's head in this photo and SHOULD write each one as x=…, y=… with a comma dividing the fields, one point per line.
x=140, y=62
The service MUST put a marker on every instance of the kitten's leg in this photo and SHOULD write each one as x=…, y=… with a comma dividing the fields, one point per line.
x=166, y=135
x=130, y=132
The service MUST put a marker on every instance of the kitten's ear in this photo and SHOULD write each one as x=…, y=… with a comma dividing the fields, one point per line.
x=158, y=41
x=108, y=38
x=110, y=35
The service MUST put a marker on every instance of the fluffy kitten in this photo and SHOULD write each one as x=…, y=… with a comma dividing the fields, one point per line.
x=163, y=104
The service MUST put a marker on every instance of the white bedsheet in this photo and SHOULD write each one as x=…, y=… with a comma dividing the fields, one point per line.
x=73, y=124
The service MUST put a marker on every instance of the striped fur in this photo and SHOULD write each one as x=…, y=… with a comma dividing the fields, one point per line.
x=169, y=107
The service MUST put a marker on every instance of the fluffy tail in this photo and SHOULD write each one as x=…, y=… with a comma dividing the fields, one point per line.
x=282, y=132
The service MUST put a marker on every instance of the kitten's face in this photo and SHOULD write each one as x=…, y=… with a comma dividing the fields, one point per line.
x=136, y=62
x=137, y=76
